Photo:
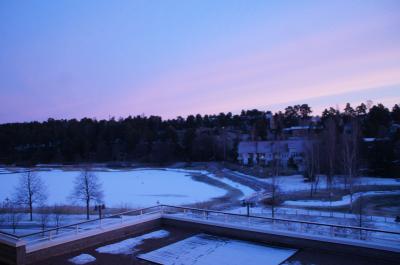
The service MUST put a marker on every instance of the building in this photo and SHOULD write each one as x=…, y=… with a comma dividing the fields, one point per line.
x=263, y=152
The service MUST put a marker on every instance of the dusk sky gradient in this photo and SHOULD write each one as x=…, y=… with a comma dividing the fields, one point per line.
x=97, y=59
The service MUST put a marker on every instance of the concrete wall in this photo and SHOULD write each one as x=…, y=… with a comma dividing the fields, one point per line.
x=100, y=238
x=16, y=253
x=12, y=250
x=285, y=239
x=12, y=255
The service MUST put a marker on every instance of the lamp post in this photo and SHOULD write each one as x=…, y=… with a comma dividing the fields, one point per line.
x=247, y=204
x=99, y=207
x=262, y=159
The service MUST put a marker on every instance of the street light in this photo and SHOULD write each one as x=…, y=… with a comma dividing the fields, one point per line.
x=99, y=207
x=248, y=204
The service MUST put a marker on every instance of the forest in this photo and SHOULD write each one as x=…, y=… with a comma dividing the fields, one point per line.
x=196, y=137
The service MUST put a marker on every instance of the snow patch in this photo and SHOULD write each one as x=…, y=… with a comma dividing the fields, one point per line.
x=206, y=249
x=247, y=191
x=82, y=259
x=297, y=183
x=369, y=139
x=127, y=246
x=342, y=202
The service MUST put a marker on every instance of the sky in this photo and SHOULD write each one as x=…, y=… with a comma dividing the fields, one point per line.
x=101, y=59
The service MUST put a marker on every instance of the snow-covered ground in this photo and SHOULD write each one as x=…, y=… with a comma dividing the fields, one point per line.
x=136, y=188
x=3, y=170
x=206, y=249
x=247, y=191
x=127, y=246
x=297, y=183
x=145, y=187
x=345, y=200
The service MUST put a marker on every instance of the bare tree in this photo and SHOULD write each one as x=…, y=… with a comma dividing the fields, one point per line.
x=14, y=217
x=312, y=164
x=87, y=188
x=360, y=213
x=4, y=210
x=58, y=212
x=275, y=196
x=30, y=191
x=44, y=218
x=309, y=162
x=276, y=164
x=350, y=156
x=330, y=139
x=2, y=216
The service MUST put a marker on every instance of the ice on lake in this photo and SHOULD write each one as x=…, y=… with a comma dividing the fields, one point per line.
x=137, y=188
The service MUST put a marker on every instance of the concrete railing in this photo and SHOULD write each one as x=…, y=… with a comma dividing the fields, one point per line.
x=378, y=236
x=86, y=226
x=363, y=234
x=99, y=229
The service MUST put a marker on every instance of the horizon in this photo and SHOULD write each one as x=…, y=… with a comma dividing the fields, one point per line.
x=312, y=114
x=72, y=59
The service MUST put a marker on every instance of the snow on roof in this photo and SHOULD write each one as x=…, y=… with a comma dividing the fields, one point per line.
x=127, y=246
x=297, y=128
x=82, y=259
x=206, y=249
x=372, y=139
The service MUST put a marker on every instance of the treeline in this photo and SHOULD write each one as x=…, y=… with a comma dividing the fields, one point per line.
x=360, y=141
x=194, y=138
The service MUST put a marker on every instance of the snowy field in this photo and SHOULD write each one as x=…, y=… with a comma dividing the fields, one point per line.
x=205, y=249
x=246, y=191
x=136, y=188
x=145, y=187
x=345, y=200
x=297, y=183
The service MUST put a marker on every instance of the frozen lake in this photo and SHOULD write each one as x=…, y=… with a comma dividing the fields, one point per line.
x=136, y=188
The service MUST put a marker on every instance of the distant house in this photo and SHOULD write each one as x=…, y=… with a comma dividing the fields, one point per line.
x=263, y=152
